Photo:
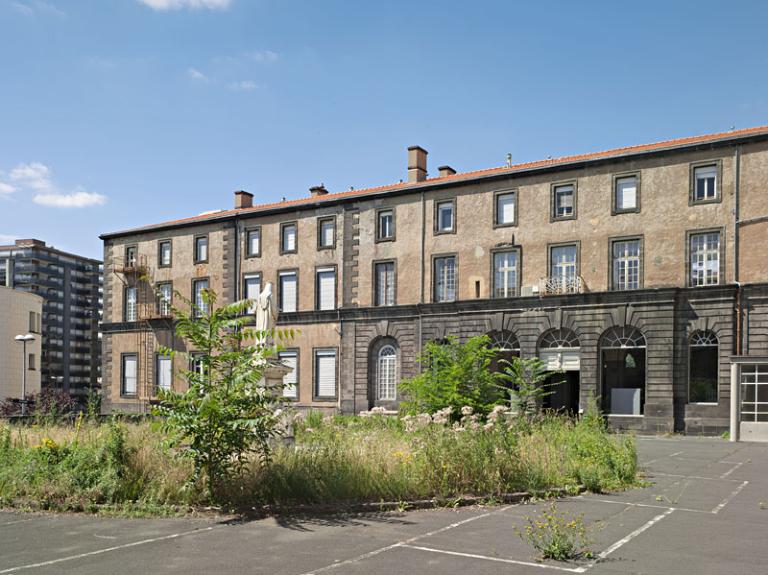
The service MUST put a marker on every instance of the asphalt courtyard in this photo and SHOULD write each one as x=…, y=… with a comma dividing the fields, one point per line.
x=705, y=512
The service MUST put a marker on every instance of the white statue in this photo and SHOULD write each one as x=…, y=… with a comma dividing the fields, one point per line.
x=265, y=309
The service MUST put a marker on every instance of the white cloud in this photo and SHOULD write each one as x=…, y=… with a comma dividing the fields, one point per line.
x=165, y=5
x=35, y=175
x=32, y=8
x=6, y=189
x=77, y=199
x=242, y=86
x=262, y=56
x=197, y=75
x=6, y=239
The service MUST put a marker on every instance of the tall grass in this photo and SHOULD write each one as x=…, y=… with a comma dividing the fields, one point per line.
x=126, y=467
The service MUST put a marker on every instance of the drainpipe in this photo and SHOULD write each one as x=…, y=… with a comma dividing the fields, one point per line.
x=423, y=242
x=735, y=424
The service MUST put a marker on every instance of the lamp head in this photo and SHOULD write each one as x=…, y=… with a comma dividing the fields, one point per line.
x=22, y=338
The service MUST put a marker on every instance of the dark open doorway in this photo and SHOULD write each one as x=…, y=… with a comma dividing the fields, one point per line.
x=563, y=392
x=624, y=381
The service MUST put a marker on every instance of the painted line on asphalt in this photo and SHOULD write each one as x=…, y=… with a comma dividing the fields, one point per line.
x=624, y=540
x=728, y=499
x=734, y=468
x=18, y=521
x=652, y=461
x=102, y=551
x=380, y=550
x=650, y=506
x=496, y=559
x=695, y=477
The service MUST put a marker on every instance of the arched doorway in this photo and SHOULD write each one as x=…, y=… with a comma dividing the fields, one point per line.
x=622, y=355
x=384, y=373
x=507, y=348
x=560, y=350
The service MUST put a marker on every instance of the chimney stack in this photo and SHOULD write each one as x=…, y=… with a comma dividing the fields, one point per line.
x=318, y=191
x=243, y=200
x=446, y=171
x=417, y=164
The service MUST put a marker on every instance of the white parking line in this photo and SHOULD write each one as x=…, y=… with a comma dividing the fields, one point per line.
x=695, y=477
x=650, y=505
x=734, y=468
x=496, y=559
x=728, y=499
x=18, y=521
x=102, y=551
x=630, y=537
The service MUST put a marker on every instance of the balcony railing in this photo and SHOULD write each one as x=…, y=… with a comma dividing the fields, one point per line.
x=562, y=285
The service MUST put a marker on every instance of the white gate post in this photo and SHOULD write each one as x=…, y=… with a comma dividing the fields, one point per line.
x=735, y=388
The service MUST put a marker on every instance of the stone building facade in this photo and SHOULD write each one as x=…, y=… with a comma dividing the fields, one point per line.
x=639, y=272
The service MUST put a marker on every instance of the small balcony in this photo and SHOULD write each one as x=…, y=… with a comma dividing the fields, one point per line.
x=562, y=285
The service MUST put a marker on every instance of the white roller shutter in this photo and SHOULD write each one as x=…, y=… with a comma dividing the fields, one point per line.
x=129, y=374
x=325, y=373
x=252, y=289
x=288, y=292
x=326, y=289
x=164, y=372
x=506, y=208
x=290, y=379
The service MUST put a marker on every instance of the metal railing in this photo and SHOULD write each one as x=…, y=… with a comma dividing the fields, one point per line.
x=562, y=285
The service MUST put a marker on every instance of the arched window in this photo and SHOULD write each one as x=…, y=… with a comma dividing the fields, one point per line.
x=703, y=362
x=507, y=347
x=559, y=338
x=622, y=352
x=386, y=374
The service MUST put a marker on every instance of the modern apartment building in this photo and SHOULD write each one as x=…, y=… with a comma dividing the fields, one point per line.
x=640, y=272
x=70, y=286
x=21, y=316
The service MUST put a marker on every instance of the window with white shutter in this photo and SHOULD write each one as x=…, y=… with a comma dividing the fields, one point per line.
x=288, y=238
x=325, y=373
x=252, y=289
x=130, y=374
x=626, y=194
x=384, y=278
x=505, y=209
x=253, y=241
x=163, y=371
x=290, y=380
x=288, y=292
x=326, y=288
x=326, y=237
x=705, y=183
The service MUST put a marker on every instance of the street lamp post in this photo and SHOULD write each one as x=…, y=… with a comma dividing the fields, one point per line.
x=23, y=339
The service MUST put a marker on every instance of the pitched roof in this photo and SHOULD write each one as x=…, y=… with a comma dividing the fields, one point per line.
x=563, y=161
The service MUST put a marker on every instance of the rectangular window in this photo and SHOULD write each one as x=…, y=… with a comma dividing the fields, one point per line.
x=291, y=379
x=32, y=322
x=288, y=291
x=505, y=274
x=445, y=217
x=164, y=299
x=131, y=256
x=201, y=306
x=163, y=371
x=385, y=225
x=445, y=278
x=326, y=233
x=325, y=373
x=129, y=375
x=288, y=238
x=705, y=183
x=625, y=255
x=705, y=259
x=384, y=278
x=326, y=288
x=253, y=243
x=252, y=289
x=197, y=363
x=564, y=202
x=562, y=266
x=505, y=208
x=754, y=393
x=201, y=249
x=31, y=362
x=625, y=194
x=131, y=304
x=164, y=254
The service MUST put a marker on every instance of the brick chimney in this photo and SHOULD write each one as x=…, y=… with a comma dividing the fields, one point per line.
x=243, y=200
x=446, y=171
x=417, y=164
x=317, y=191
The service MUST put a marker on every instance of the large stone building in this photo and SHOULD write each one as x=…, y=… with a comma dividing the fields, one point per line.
x=70, y=286
x=638, y=271
x=21, y=316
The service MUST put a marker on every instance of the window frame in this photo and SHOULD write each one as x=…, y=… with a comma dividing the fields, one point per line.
x=127, y=249
x=374, y=282
x=717, y=369
x=193, y=298
x=123, y=357
x=247, y=250
x=297, y=353
x=197, y=238
x=436, y=257
x=378, y=237
x=436, y=216
x=615, y=210
x=576, y=243
x=318, y=269
x=519, y=274
x=160, y=244
x=722, y=269
x=284, y=225
x=155, y=381
x=315, y=355
x=396, y=373
x=496, y=195
x=125, y=304
x=718, y=164
x=159, y=300
x=280, y=273
x=641, y=257
x=553, y=217
x=249, y=276
x=320, y=221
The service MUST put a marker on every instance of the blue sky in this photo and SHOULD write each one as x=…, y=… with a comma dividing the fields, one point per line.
x=118, y=113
